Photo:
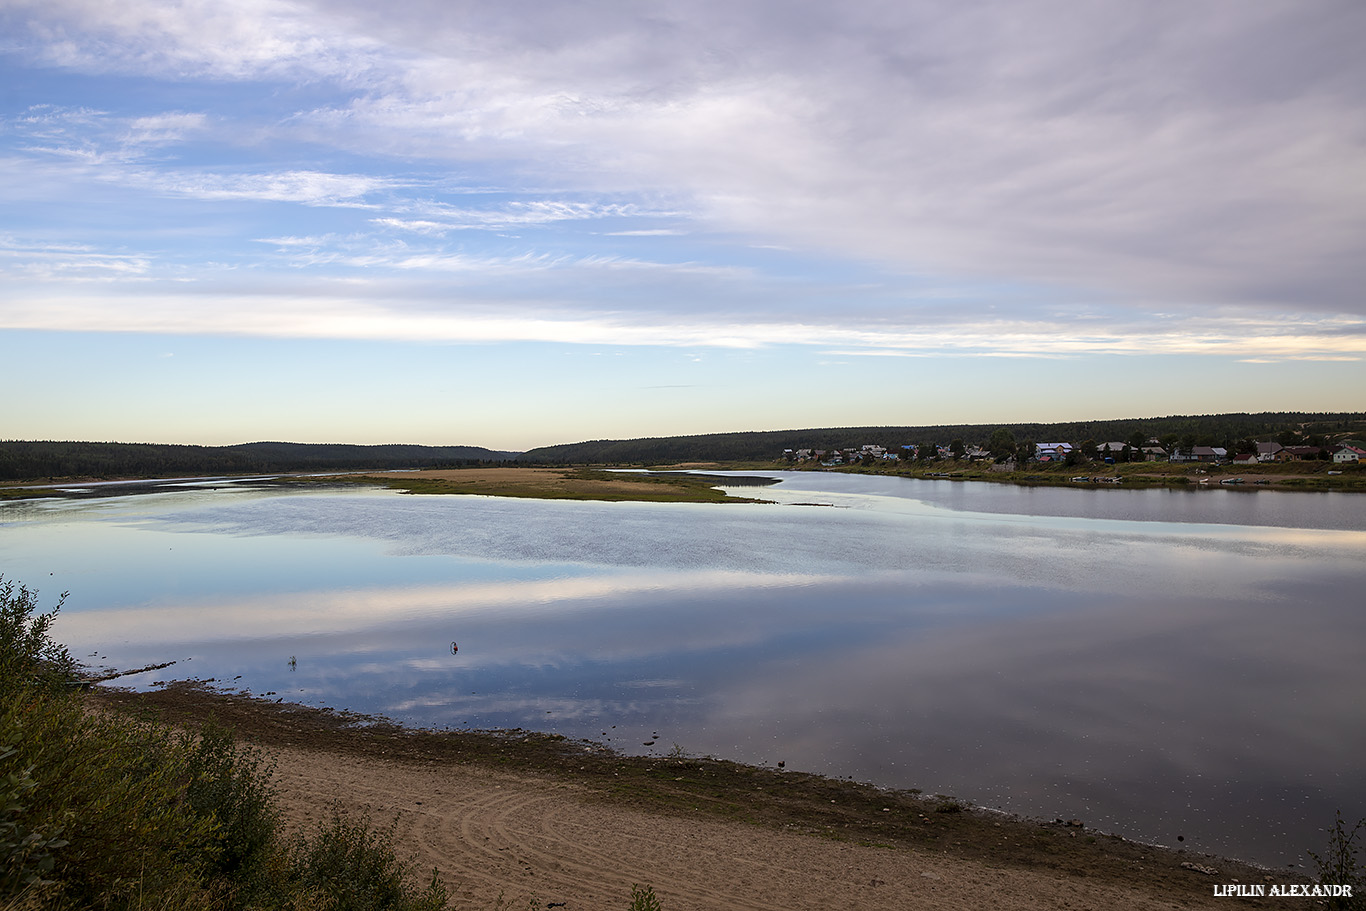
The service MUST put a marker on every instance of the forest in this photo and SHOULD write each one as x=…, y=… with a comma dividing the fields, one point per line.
x=37, y=461
x=1204, y=430
x=22, y=460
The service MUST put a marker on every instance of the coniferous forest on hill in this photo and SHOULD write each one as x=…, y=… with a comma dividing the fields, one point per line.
x=1204, y=430
x=36, y=460
x=25, y=460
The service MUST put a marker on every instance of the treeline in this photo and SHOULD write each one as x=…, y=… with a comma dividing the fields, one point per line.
x=36, y=460
x=768, y=445
x=27, y=460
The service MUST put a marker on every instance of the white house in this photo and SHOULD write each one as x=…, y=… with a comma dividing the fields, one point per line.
x=1266, y=452
x=1348, y=454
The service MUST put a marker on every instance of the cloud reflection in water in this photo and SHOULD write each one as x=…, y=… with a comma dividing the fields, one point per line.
x=1160, y=678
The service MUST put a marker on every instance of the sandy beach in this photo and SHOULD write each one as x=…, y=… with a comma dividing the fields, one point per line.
x=536, y=841
x=511, y=821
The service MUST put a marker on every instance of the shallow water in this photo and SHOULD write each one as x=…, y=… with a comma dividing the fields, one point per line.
x=1156, y=663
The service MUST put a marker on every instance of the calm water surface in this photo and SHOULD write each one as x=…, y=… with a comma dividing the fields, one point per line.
x=1157, y=663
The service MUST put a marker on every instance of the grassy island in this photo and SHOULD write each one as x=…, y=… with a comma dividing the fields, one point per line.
x=564, y=484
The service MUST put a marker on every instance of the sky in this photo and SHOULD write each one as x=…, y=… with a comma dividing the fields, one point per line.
x=519, y=223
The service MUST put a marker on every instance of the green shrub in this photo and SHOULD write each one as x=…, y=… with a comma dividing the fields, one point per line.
x=643, y=899
x=347, y=866
x=231, y=785
x=25, y=854
x=1338, y=865
x=29, y=658
x=114, y=795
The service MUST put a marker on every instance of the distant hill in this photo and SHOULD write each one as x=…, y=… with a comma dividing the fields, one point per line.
x=31, y=460
x=1213, y=429
x=37, y=460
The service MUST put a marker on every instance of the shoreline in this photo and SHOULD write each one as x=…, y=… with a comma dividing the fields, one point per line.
x=1313, y=477
x=702, y=793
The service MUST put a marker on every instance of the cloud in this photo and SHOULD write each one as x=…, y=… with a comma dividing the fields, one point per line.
x=415, y=225
x=1160, y=161
x=516, y=214
x=1138, y=152
x=312, y=188
x=98, y=137
x=647, y=232
x=67, y=262
x=251, y=39
x=472, y=307
x=160, y=129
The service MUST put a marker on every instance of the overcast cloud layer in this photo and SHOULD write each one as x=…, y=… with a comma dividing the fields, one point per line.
x=1000, y=178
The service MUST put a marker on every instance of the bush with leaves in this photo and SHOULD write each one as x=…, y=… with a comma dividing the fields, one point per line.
x=347, y=866
x=29, y=658
x=230, y=785
x=1338, y=865
x=643, y=899
x=116, y=792
x=26, y=853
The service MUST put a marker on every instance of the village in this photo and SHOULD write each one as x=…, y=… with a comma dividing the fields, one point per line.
x=1003, y=454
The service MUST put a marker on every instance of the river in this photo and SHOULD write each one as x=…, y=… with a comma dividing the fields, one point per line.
x=1180, y=667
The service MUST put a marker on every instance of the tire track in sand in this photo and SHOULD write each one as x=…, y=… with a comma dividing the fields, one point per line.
x=529, y=840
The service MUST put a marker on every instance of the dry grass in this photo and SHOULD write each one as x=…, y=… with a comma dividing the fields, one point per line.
x=555, y=484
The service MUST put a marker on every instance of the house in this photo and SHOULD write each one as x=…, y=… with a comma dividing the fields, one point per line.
x=1154, y=453
x=1304, y=453
x=1051, y=452
x=1266, y=452
x=1245, y=458
x=1348, y=454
